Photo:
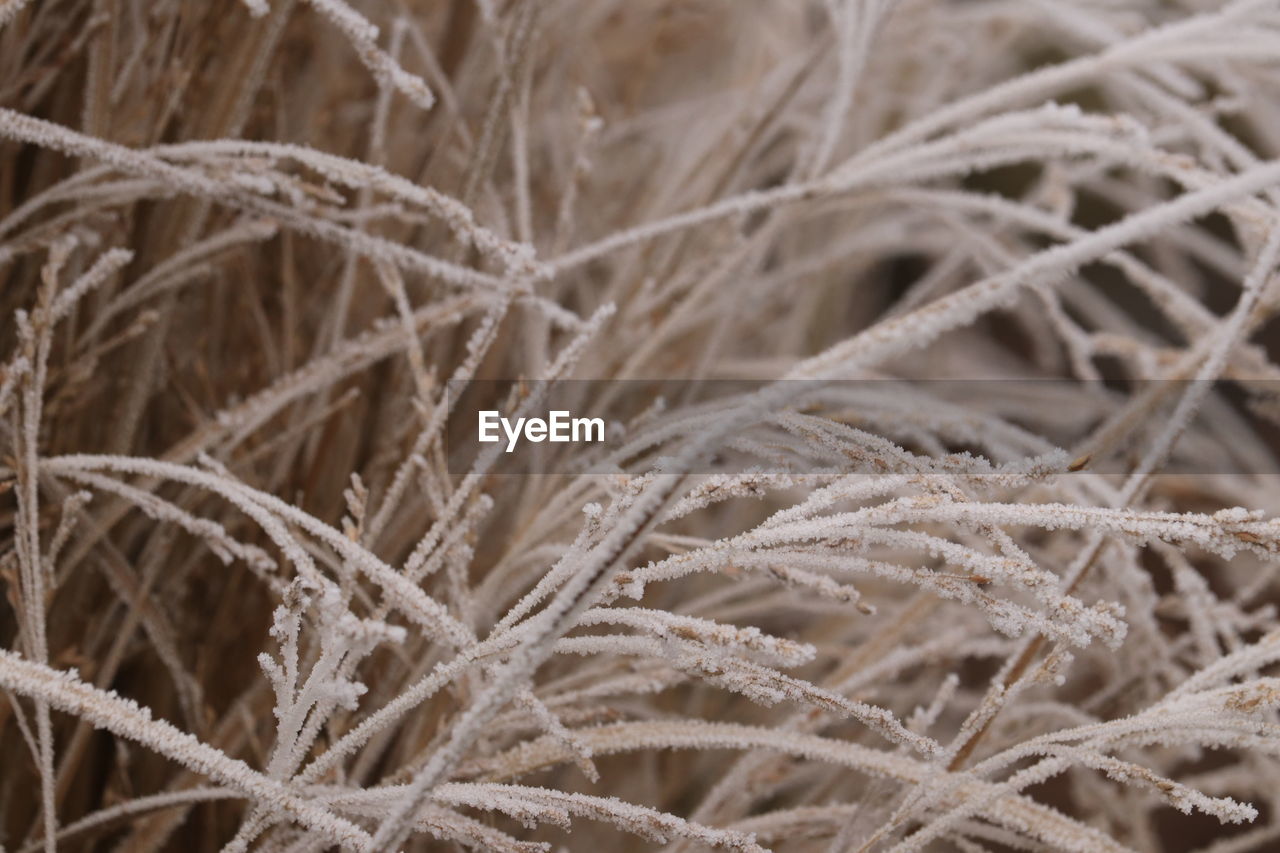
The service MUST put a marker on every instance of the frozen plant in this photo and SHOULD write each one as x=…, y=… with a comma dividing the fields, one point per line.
x=981, y=555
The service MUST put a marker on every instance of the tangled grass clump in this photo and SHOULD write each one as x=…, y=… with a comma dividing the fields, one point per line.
x=978, y=554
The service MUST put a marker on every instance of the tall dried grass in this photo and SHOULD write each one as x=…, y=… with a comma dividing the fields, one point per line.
x=247, y=249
